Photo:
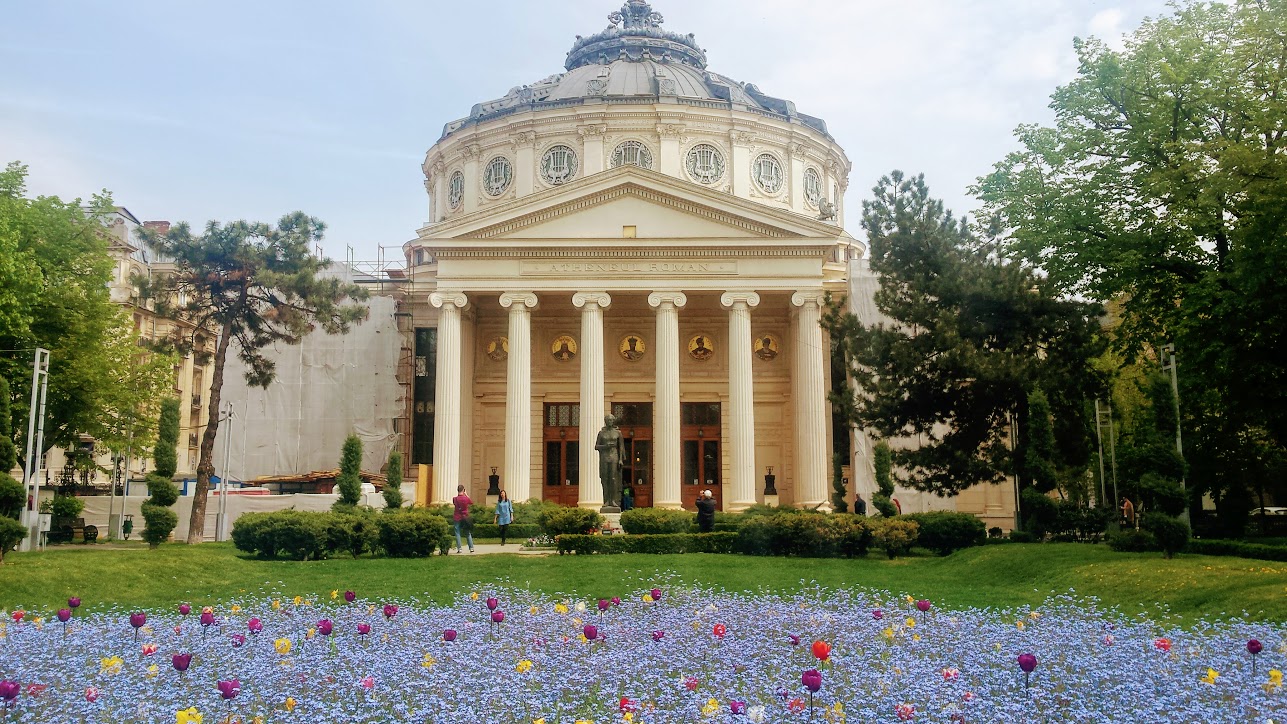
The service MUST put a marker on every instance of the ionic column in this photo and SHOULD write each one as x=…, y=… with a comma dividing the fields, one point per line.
x=666, y=432
x=591, y=305
x=446, y=419
x=741, y=491
x=518, y=396
x=810, y=403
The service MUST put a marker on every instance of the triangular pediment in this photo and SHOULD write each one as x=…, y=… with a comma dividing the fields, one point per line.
x=658, y=206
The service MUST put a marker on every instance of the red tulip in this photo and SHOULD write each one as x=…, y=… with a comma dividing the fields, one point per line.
x=64, y=614
x=9, y=691
x=655, y=593
x=737, y=707
x=795, y=640
x=364, y=628
x=137, y=620
x=181, y=662
x=719, y=630
x=821, y=650
x=17, y=616
x=185, y=609
x=1254, y=647
x=91, y=694
x=878, y=614
x=324, y=627
x=255, y=625
x=492, y=603
x=238, y=640
x=229, y=689
x=1027, y=662
x=603, y=604
x=390, y=610
x=616, y=600
x=207, y=618
x=498, y=616
x=73, y=602
x=658, y=635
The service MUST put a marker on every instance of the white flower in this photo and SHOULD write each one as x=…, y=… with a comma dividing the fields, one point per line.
x=580, y=606
x=756, y=714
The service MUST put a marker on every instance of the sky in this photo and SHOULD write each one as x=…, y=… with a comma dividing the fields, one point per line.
x=247, y=109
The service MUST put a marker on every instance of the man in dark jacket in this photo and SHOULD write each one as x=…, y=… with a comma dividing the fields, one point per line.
x=706, y=512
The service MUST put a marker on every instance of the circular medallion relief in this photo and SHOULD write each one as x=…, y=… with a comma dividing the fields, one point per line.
x=498, y=349
x=563, y=348
x=812, y=186
x=558, y=165
x=705, y=163
x=701, y=347
x=767, y=172
x=765, y=347
x=497, y=176
x=632, y=348
x=456, y=190
x=632, y=153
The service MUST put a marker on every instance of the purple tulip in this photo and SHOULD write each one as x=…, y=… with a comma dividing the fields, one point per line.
x=185, y=609
x=181, y=662
x=492, y=603
x=922, y=605
x=364, y=628
x=658, y=635
x=737, y=707
x=603, y=604
x=324, y=627
x=229, y=689
x=73, y=602
x=616, y=600
x=812, y=680
x=255, y=625
x=238, y=640
x=64, y=614
x=138, y=619
x=498, y=616
x=655, y=593
x=878, y=614
x=350, y=596
x=795, y=640
x=1027, y=662
x=590, y=631
x=390, y=610
x=207, y=618
x=1254, y=647
x=449, y=635
x=9, y=690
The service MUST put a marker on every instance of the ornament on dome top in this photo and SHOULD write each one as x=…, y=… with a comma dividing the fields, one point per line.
x=635, y=14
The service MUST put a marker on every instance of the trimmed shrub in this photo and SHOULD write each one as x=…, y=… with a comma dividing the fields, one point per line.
x=248, y=534
x=296, y=534
x=1040, y=513
x=354, y=532
x=1022, y=536
x=1074, y=522
x=516, y=531
x=164, y=456
x=995, y=532
x=1132, y=541
x=12, y=496
x=66, y=506
x=945, y=531
x=163, y=491
x=1172, y=533
x=349, y=482
x=1164, y=493
x=1237, y=548
x=11, y=534
x=559, y=520
x=884, y=506
x=815, y=535
x=895, y=536
x=413, y=534
x=393, y=481
x=160, y=521
x=661, y=543
x=643, y=521
x=764, y=509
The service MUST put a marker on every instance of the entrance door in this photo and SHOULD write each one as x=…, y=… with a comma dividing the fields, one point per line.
x=562, y=450
x=635, y=421
x=700, y=450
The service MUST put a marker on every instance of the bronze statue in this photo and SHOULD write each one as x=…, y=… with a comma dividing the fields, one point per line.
x=612, y=451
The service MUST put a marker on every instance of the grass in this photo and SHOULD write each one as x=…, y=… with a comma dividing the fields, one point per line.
x=991, y=576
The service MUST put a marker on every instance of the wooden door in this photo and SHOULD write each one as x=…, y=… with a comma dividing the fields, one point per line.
x=562, y=453
x=635, y=421
x=700, y=453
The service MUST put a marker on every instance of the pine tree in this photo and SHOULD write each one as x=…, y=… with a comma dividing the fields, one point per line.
x=349, y=481
x=167, y=437
x=393, y=484
x=839, y=492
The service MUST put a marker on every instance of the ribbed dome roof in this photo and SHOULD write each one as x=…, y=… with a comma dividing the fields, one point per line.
x=634, y=60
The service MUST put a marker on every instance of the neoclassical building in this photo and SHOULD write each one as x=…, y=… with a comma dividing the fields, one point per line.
x=639, y=235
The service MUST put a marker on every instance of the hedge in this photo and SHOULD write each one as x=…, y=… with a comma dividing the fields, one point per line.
x=945, y=531
x=895, y=536
x=1132, y=541
x=556, y=521
x=305, y=535
x=648, y=543
x=638, y=521
x=814, y=535
x=413, y=534
x=1172, y=533
x=1237, y=548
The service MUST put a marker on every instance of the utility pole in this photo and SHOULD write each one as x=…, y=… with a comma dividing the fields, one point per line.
x=1099, y=438
x=221, y=520
x=1168, y=364
x=35, y=446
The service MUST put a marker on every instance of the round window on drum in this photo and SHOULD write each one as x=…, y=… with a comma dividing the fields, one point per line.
x=632, y=153
x=812, y=186
x=558, y=165
x=705, y=163
x=456, y=190
x=767, y=172
x=498, y=175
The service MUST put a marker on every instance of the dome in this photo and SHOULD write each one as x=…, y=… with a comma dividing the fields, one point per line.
x=635, y=60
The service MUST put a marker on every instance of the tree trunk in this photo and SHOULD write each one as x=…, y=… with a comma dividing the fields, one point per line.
x=205, y=467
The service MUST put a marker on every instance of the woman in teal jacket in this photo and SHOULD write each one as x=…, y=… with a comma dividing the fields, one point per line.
x=504, y=514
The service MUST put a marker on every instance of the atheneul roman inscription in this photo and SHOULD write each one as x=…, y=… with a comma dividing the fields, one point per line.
x=650, y=267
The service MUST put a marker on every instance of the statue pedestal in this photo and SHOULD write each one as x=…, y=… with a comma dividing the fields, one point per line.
x=771, y=500
x=612, y=521
x=492, y=500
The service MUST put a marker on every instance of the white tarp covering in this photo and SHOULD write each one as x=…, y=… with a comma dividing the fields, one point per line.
x=327, y=387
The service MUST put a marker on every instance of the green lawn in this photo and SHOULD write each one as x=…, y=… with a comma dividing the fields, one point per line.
x=999, y=576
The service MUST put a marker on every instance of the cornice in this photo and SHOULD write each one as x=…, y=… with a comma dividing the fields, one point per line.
x=581, y=252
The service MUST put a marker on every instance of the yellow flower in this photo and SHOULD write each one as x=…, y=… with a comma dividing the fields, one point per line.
x=647, y=598
x=888, y=633
x=581, y=721
x=539, y=721
x=310, y=634
x=524, y=666
x=835, y=713
x=428, y=661
x=299, y=600
x=911, y=622
x=628, y=716
x=576, y=621
x=282, y=646
x=560, y=608
x=909, y=599
x=152, y=671
x=1018, y=625
x=335, y=594
x=1210, y=678
x=1034, y=615
x=711, y=706
x=474, y=596
x=1275, y=681
x=533, y=610
x=258, y=719
x=289, y=704
x=110, y=665
x=916, y=637
x=277, y=604
x=236, y=608
x=188, y=716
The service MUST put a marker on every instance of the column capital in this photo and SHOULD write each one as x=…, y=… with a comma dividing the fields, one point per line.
x=441, y=299
x=678, y=299
x=580, y=299
x=732, y=298
x=809, y=296
x=523, y=300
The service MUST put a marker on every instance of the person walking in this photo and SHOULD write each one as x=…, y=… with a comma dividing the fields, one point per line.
x=504, y=514
x=706, y=512
x=461, y=517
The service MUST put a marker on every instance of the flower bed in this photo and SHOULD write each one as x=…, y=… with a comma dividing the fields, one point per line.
x=666, y=655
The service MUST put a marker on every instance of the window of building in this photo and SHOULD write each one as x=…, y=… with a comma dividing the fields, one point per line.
x=632, y=153
x=498, y=175
x=767, y=172
x=705, y=163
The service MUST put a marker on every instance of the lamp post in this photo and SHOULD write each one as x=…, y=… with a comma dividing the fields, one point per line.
x=1168, y=364
x=221, y=519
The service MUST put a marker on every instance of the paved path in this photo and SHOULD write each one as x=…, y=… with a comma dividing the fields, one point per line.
x=493, y=548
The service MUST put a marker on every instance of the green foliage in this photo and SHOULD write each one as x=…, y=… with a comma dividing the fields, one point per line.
x=651, y=543
x=1172, y=533
x=1039, y=452
x=515, y=531
x=67, y=507
x=164, y=455
x=11, y=534
x=8, y=452
x=656, y=520
x=1076, y=522
x=1161, y=494
x=812, y=535
x=970, y=336
x=163, y=491
x=1237, y=548
x=763, y=509
x=12, y=496
x=393, y=481
x=160, y=522
x=1132, y=541
x=839, y=492
x=413, y=534
x=884, y=506
x=354, y=532
x=559, y=520
x=349, y=482
x=895, y=536
x=883, y=462
x=299, y=535
x=1040, y=513
x=945, y=532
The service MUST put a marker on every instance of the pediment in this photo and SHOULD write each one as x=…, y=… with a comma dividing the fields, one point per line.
x=658, y=206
